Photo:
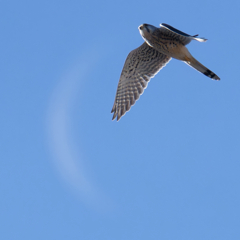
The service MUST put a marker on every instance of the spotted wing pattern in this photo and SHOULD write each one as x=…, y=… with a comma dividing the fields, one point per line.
x=178, y=35
x=141, y=65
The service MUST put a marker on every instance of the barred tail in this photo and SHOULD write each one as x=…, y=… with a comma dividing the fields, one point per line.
x=199, y=67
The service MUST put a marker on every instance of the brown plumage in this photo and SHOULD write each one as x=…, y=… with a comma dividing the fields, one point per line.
x=143, y=63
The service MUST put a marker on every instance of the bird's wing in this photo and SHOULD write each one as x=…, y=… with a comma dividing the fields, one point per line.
x=182, y=37
x=141, y=65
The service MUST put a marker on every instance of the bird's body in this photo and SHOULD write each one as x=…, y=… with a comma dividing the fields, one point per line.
x=161, y=44
x=164, y=41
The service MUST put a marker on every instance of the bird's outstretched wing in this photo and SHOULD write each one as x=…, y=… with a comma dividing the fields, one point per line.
x=182, y=37
x=141, y=65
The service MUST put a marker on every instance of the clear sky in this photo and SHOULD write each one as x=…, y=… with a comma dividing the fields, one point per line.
x=169, y=169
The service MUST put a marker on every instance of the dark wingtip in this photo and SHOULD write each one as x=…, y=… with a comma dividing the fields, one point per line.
x=118, y=117
x=113, y=109
x=114, y=115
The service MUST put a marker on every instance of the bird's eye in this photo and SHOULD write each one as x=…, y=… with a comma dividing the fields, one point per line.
x=141, y=27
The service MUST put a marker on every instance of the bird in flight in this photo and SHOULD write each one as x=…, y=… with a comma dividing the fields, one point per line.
x=143, y=63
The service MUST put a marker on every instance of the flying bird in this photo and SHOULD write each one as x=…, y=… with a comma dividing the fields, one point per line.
x=143, y=63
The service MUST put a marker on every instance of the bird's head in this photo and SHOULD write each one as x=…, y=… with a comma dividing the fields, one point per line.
x=146, y=31
x=146, y=28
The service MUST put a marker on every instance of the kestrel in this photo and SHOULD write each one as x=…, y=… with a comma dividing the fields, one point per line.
x=143, y=63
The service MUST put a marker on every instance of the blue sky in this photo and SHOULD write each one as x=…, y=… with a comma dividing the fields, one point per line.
x=169, y=169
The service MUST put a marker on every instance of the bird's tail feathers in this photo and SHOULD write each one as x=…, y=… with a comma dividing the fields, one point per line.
x=199, y=67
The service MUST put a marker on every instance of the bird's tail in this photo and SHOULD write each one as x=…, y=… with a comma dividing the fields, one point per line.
x=199, y=67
